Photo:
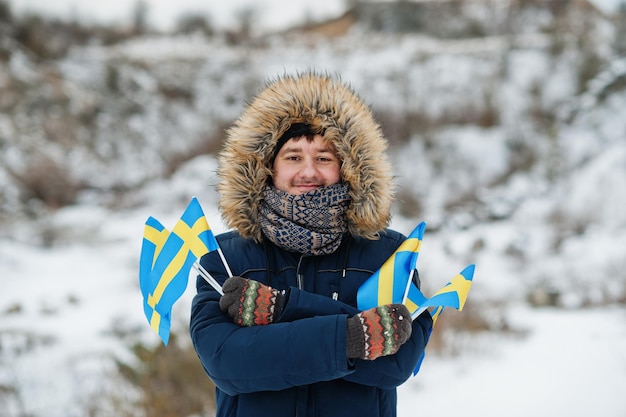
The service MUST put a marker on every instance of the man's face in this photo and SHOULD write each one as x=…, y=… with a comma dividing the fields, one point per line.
x=302, y=165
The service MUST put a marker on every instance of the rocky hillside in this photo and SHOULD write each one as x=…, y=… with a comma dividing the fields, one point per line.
x=507, y=124
x=497, y=111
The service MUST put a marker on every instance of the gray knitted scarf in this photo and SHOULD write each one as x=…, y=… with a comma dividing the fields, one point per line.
x=310, y=223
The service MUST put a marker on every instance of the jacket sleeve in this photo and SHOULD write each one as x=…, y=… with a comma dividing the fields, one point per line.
x=259, y=358
x=384, y=372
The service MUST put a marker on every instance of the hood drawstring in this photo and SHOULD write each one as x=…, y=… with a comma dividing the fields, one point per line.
x=346, y=248
x=268, y=275
x=348, y=238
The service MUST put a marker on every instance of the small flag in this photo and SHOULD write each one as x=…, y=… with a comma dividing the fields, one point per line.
x=453, y=294
x=388, y=285
x=166, y=260
x=393, y=283
x=154, y=237
x=194, y=230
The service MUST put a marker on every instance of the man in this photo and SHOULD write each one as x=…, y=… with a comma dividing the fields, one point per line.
x=305, y=185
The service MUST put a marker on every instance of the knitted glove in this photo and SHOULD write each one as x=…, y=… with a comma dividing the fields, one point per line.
x=379, y=331
x=250, y=303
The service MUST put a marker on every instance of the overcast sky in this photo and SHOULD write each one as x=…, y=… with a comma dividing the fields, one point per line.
x=163, y=13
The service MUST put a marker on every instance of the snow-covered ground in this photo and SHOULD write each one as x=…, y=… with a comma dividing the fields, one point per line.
x=570, y=363
x=60, y=304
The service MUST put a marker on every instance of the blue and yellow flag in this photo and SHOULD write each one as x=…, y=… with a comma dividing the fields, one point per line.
x=166, y=260
x=389, y=284
x=393, y=283
x=453, y=294
x=154, y=237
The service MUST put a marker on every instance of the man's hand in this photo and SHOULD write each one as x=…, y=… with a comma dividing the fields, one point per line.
x=250, y=303
x=379, y=331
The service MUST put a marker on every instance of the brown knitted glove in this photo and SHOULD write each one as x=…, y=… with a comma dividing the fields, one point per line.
x=250, y=303
x=379, y=331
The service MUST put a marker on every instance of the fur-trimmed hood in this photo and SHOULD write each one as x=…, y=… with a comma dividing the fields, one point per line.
x=332, y=109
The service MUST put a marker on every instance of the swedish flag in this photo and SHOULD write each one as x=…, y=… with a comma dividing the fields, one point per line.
x=389, y=284
x=154, y=237
x=165, y=262
x=392, y=283
x=453, y=294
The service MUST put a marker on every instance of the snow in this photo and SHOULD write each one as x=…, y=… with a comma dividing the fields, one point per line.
x=571, y=363
x=69, y=279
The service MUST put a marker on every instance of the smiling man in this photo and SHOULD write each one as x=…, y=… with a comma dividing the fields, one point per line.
x=306, y=187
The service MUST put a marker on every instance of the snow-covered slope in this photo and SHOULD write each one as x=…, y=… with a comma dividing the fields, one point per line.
x=513, y=155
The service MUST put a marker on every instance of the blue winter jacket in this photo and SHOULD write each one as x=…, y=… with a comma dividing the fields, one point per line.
x=298, y=365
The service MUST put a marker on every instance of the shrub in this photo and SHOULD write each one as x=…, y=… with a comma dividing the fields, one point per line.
x=163, y=381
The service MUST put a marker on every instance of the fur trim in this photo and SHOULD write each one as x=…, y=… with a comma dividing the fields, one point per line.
x=332, y=109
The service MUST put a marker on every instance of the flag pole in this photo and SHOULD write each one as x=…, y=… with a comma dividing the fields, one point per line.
x=408, y=286
x=418, y=312
x=207, y=277
x=219, y=250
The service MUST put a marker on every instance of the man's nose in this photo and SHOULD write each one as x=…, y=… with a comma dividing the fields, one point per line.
x=309, y=168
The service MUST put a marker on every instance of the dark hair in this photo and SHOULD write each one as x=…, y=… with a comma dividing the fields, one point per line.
x=296, y=130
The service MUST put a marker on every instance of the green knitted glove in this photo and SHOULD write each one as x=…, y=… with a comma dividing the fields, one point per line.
x=379, y=331
x=250, y=303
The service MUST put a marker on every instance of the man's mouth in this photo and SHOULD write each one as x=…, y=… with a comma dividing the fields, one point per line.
x=307, y=187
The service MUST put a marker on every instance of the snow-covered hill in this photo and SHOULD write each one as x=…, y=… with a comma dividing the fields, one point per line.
x=512, y=148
